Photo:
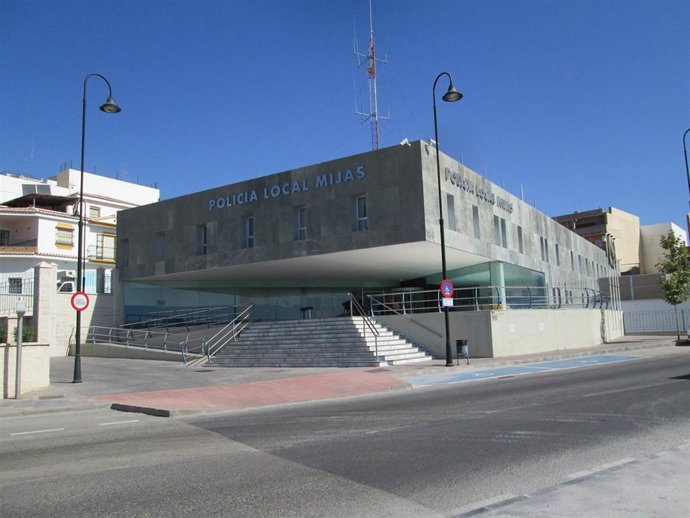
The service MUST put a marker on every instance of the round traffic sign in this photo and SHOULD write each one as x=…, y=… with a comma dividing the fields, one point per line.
x=447, y=288
x=80, y=301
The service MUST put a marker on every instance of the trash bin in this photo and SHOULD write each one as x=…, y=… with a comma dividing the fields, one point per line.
x=462, y=350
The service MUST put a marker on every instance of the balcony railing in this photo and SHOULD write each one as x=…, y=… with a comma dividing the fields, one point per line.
x=101, y=253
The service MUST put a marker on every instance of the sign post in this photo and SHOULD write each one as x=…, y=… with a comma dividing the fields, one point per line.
x=21, y=310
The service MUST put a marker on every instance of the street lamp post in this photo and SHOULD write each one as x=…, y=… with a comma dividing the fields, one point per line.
x=685, y=155
x=108, y=107
x=451, y=95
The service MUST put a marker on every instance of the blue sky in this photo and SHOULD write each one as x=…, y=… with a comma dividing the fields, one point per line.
x=578, y=104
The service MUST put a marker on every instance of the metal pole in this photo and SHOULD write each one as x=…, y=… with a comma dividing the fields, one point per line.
x=21, y=309
x=80, y=239
x=18, y=376
x=449, y=353
x=685, y=155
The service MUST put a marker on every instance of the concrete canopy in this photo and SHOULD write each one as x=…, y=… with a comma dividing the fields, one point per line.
x=381, y=264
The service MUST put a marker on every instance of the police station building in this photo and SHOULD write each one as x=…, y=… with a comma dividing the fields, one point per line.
x=369, y=225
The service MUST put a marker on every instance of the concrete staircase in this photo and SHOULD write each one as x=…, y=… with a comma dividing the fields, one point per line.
x=328, y=342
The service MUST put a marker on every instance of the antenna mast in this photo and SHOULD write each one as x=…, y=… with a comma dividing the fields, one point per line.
x=371, y=59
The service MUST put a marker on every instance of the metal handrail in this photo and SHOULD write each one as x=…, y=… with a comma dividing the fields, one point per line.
x=230, y=332
x=128, y=337
x=369, y=323
x=187, y=350
x=479, y=298
x=184, y=318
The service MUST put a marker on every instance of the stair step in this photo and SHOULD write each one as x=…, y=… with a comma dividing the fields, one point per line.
x=334, y=342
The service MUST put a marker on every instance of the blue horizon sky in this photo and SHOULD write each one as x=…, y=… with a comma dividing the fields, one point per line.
x=578, y=104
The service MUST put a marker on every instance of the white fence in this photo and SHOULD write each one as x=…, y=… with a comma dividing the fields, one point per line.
x=656, y=321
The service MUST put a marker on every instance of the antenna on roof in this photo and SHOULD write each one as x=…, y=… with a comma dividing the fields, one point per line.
x=370, y=58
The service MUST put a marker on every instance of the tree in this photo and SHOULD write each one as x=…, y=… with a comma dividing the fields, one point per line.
x=674, y=266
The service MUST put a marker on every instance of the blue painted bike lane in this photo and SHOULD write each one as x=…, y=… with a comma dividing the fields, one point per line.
x=518, y=370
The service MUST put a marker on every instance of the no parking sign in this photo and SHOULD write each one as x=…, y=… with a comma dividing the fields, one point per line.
x=447, y=288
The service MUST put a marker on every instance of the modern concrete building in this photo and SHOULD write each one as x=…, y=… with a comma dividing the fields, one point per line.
x=365, y=224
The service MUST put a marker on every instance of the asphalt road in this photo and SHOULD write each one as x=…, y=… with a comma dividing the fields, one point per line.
x=434, y=451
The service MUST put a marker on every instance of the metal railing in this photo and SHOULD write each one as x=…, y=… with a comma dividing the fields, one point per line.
x=486, y=298
x=182, y=318
x=228, y=333
x=144, y=338
x=17, y=287
x=356, y=306
x=662, y=321
x=104, y=253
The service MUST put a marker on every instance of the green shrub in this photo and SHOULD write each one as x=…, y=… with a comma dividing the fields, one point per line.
x=28, y=333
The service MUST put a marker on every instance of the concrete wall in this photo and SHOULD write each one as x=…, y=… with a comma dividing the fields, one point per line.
x=650, y=240
x=35, y=372
x=389, y=178
x=471, y=189
x=492, y=334
x=54, y=317
x=625, y=228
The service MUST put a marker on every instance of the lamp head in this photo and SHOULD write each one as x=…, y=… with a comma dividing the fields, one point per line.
x=452, y=94
x=111, y=106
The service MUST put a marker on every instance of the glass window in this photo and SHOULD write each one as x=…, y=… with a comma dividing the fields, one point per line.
x=544, y=248
x=105, y=246
x=15, y=284
x=572, y=261
x=451, y=211
x=4, y=237
x=201, y=239
x=64, y=236
x=558, y=255
x=361, y=217
x=521, y=247
x=94, y=212
x=504, y=234
x=248, y=231
x=160, y=246
x=301, y=230
x=475, y=221
x=497, y=231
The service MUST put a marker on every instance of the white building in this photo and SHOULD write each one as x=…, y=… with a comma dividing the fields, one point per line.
x=38, y=222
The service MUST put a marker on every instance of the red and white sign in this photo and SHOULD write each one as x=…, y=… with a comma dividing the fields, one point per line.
x=447, y=289
x=80, y=301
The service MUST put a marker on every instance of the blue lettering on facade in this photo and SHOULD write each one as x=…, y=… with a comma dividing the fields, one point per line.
x=464, y=183
x=288, y=188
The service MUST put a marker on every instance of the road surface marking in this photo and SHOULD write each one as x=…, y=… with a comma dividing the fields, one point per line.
x=39, y=431
x=628, y=389
x=119, y=422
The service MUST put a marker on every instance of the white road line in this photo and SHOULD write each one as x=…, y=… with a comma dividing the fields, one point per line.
x=628, y=389
x=39, y=431
x=119, y=422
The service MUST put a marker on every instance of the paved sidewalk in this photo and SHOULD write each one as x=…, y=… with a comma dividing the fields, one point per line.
x=647, y=486
x=171, y=389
